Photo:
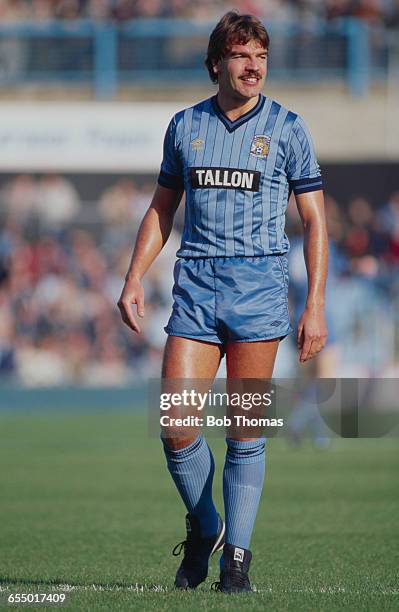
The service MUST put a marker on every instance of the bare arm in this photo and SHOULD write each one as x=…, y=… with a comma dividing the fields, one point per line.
x=312, y=329
x=153, y=233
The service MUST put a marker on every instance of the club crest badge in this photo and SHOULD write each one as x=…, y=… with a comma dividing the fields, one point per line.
x=260, y=145
x=197, y=144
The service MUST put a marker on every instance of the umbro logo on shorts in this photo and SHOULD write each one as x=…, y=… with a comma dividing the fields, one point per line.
x=238, y=554
x=227, y=178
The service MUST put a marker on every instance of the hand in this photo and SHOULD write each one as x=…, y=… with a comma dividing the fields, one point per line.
x=312, y=333
x=132, y=293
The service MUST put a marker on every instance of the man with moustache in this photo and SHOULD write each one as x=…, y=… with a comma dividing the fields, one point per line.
x=237, y=156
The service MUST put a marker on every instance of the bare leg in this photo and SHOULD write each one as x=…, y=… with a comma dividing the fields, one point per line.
x=189, y=359
x=251, y=360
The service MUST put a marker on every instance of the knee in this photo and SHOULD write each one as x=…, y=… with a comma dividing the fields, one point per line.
x=177, y=443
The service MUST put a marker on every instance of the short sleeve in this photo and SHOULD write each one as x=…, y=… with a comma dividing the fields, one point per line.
x=171, y=175
x=303, y=171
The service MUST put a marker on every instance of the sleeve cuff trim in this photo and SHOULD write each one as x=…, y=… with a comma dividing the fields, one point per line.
x=170, y=181
x=306, y=184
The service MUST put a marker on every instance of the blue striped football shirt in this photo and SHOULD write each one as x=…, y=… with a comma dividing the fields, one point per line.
x=237, y=176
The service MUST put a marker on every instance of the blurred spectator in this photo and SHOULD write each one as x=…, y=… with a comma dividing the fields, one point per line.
x=123, y=10
x=370, y=10
x=43, y=363
x=13, y=10
x=7, y=334
x=392, y=14
x=97, y=9
x=389, y=214
x=58, y=201
x=19, y=199
x=117, y=204
x=68, y=9
x=42, y=10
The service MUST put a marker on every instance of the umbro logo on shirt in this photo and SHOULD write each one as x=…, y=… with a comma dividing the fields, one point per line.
x=197, y=144
x=227, y=178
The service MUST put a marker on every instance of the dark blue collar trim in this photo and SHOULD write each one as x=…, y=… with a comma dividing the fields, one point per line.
x=233, y=125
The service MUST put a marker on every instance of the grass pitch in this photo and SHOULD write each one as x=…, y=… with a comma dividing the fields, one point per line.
x=88, y=509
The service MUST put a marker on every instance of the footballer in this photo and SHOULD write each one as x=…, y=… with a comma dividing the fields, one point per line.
x=237, y=156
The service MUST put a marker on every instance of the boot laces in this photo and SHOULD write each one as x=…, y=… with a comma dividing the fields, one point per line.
x=178, y=548
x=191, y=552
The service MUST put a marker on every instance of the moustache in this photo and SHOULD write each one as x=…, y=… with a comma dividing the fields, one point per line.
x=255, y=75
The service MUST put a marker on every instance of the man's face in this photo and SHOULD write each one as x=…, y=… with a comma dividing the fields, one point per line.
x=242, y=72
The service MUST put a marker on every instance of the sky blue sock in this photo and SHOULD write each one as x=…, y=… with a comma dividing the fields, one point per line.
x=243, y=476
x=192, y=470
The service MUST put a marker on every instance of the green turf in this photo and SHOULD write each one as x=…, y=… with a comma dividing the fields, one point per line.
x=85, y=501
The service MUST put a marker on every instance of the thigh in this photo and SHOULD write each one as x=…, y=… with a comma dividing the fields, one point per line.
x=251, y=359
x=187, y=358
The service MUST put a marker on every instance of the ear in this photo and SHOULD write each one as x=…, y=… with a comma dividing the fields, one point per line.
x=215, y=68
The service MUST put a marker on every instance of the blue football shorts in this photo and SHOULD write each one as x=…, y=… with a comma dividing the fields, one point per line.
x=230, y=299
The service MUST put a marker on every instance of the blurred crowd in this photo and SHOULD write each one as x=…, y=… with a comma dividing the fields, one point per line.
x=380, y=11
x=63, y=261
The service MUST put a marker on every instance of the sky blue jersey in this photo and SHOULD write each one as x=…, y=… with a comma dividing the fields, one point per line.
x=237, y=176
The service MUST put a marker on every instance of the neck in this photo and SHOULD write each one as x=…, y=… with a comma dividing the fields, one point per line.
x=234, y=109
